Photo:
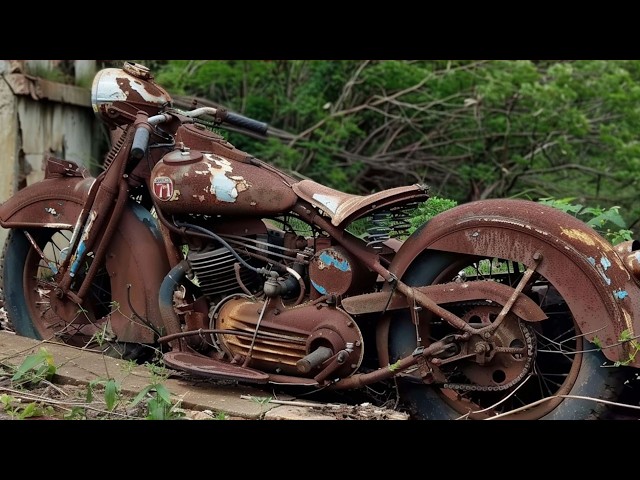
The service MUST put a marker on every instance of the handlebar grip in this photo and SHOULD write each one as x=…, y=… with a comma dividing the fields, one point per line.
x=246, y=122
x=140, y=143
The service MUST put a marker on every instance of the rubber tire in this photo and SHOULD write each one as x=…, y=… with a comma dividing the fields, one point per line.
x=12, y=297
x=424, y=402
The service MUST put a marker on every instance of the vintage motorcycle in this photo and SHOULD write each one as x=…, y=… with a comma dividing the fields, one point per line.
x=189, y=250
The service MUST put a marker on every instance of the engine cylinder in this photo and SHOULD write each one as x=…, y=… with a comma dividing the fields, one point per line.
x=216, y=272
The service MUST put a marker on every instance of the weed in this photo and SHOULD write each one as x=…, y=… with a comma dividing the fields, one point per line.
x=35, y=368
x=625, y=336
x=157, y=396
x=14, y=408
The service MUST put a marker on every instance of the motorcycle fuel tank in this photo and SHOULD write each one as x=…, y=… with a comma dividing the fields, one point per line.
x=190, y=181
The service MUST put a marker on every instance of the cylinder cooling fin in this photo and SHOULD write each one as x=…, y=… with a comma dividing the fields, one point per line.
x=216, y=274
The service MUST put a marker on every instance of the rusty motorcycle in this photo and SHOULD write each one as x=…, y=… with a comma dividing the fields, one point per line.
x=187, y=249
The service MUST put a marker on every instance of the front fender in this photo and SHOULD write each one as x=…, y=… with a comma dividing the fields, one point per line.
x=136, y=259
x=603, y=296
x=51, y=203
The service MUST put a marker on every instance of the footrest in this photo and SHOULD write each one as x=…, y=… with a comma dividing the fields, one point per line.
x=211, y=368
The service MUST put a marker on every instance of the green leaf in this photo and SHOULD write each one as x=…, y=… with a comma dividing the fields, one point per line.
x=29, y=410
x=625, y=336
x=141, y=395
x=110, y=394
x=394, y=366
x=6, y=400
x=157, y=409
x=32, y=361
x=163, y=393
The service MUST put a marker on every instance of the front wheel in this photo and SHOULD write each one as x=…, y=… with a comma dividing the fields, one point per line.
x=484, y=378
x=28, y=273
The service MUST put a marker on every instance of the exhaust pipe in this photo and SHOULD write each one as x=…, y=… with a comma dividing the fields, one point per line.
x=165, y=302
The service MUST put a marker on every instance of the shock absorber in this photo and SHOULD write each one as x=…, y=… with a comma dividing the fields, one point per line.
x=379, y=231
x=385, y=224
x=399, y=221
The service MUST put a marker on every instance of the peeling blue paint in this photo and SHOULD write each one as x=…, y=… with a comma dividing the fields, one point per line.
x=604, y=261
x=145, y=217
x=606, y=279
x=328, y=259
x=592, y=261
x=621, y=294
x=322, y=290
x=224, y=188
x=78, y=258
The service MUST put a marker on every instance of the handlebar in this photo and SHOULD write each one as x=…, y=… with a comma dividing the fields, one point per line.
x=141, y=137
x=140, y=143
x=143, y=132
x=231, y=118
x=246, y=122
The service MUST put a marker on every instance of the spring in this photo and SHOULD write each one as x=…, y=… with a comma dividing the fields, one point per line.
x=395, y=222
x=380, y=231
x=399, y=221
x=115, y=149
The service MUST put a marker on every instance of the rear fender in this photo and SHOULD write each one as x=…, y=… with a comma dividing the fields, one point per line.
x=136, y=259
x=589, y=274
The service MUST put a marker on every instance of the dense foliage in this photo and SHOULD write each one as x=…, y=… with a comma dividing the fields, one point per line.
x=470, y=129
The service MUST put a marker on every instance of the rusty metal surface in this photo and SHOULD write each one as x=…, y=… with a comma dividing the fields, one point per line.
x=335, y=271
x=216, y=185
x=342, y=208
x=113, y=85
x=288, y=335
x=137, y=264
x=209, y=367
x=629, y=252
x=55, y=202
x=197, y=137
x=523, y=307
x=585, y=268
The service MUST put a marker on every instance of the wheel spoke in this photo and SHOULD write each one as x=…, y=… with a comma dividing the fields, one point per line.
x=62, y=323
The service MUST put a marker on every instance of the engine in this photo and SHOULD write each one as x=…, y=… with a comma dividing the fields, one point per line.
x=219, y=271
x=270, y=317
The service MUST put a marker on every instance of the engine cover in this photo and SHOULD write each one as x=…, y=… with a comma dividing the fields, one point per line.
x=335, y=271
x=286, y=335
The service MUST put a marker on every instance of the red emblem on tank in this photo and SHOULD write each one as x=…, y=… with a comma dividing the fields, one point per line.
x=163, y=188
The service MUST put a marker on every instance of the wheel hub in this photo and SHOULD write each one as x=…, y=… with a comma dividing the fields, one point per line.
x=495, y=361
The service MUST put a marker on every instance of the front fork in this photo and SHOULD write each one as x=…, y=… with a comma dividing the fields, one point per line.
x=92, y=233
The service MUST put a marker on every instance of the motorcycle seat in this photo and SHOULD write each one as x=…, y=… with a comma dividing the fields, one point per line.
x=343, y=208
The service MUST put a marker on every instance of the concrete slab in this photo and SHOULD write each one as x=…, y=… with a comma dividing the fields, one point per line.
x=76, y=366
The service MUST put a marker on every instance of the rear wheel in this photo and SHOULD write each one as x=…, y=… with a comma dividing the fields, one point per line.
x=484, y=378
